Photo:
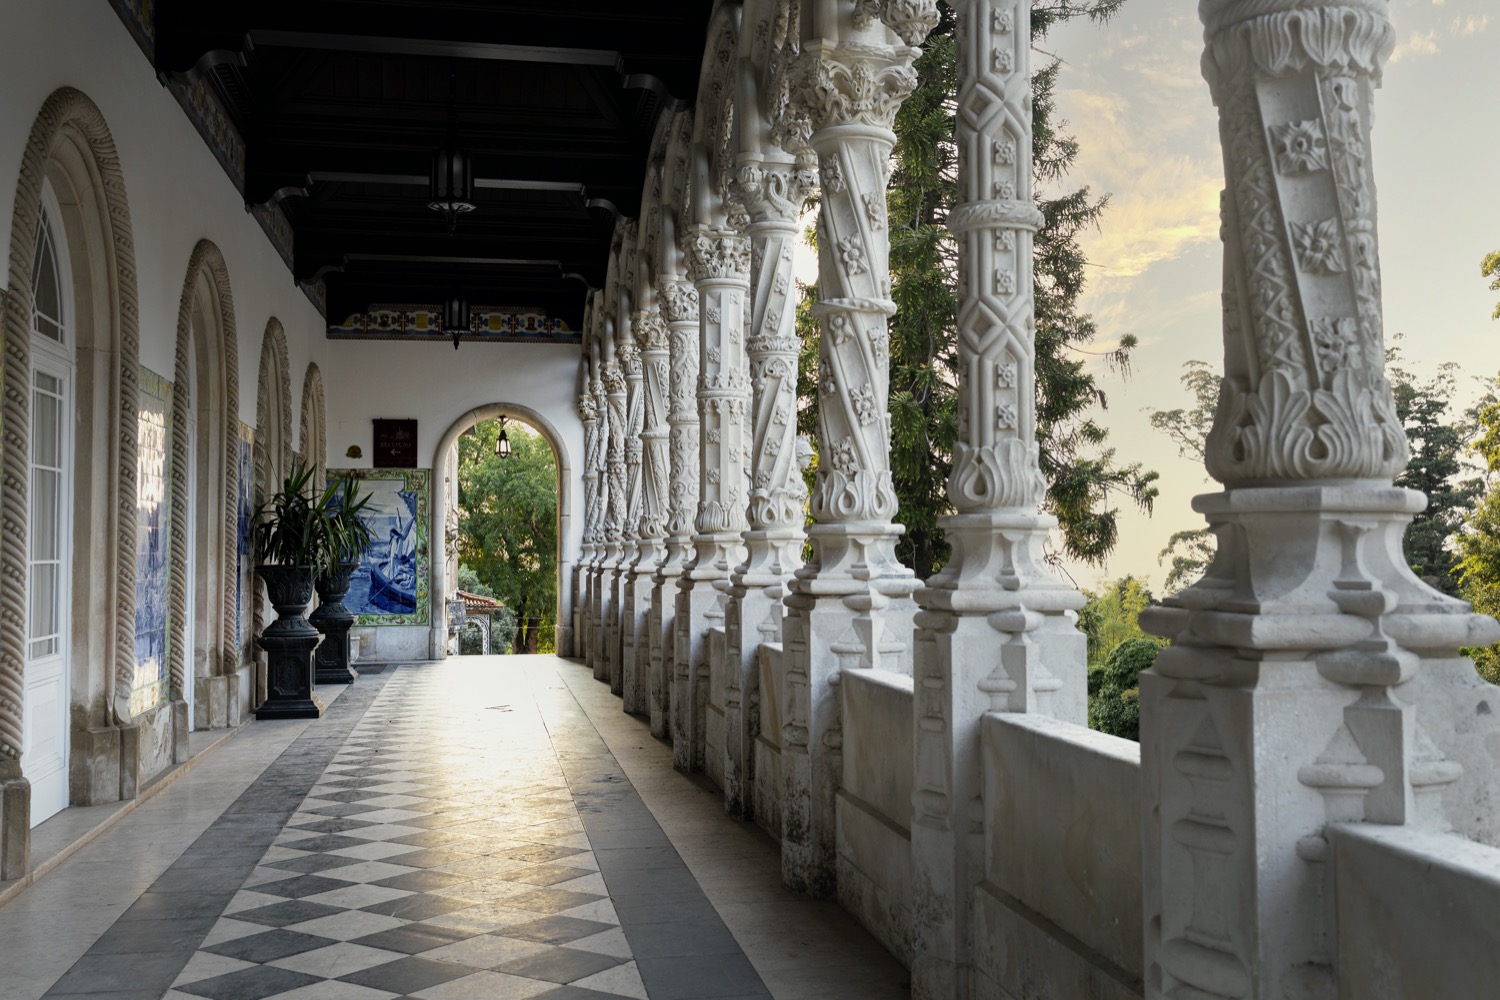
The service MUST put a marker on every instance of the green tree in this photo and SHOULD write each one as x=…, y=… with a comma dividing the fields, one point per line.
x=1437, y=446
x=1478, y=543
x=1191, y=550
x=1115, y=689
x=508, y=526
x=1110, y=617
x=1490, y=268
x=1085, y=483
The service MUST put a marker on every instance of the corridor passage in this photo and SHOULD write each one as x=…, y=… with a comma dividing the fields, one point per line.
x=488, y=827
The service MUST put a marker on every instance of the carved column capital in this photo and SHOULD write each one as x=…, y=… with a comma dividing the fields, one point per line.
x=630, y=361
x=775, y=192
x=679, y=299
x=612, y=378
x=853, y=83
x=650, y=330
x=588, y=409
x=716, y=254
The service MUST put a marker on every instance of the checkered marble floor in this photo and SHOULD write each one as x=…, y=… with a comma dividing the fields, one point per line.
x=440, y=856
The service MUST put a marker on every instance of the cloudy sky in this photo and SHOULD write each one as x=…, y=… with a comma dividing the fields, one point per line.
x=1134, y=97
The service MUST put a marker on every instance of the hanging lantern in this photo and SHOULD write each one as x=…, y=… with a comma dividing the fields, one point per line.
x=450, y=190
x=450, y=182
x=502, y=444
x=456, y=317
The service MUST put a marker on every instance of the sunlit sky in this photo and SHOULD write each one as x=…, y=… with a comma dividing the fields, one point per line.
x=1134, y=97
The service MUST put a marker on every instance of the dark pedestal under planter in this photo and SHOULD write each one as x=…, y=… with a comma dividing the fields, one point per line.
x=334, y=620
x=289, y=642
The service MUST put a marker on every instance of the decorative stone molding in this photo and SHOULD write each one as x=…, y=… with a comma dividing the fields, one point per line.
x=312, y=425
x=206, y=259
x=66, y=109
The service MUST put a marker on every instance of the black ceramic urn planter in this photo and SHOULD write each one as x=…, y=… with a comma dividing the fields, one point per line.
x=333, y=620
x=289, y=642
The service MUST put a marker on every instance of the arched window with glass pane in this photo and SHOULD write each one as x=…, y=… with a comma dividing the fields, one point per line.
x=45, y=761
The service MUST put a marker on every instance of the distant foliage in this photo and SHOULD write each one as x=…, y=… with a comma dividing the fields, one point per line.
x=1115, y=688
x=1478, y=544
x=1111, y=617
x=508, y=526
x=1490, y=268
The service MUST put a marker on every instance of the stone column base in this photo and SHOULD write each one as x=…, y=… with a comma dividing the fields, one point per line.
x=15, y=828
x=104, y=766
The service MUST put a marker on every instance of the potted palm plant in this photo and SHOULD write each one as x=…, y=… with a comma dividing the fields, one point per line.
x=291, y=546
x=347, y=536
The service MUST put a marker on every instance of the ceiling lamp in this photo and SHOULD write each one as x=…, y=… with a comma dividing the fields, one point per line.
x=456, y=317
x=502, y=444
x=450, y=187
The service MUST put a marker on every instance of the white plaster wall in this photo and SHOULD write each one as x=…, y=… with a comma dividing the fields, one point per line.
x=177, y=191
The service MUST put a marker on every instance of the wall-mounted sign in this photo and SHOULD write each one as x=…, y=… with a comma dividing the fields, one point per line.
x=395, y=444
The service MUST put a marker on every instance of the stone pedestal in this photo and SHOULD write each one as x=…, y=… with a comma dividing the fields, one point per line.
x=289, y=643
x=15, y=822
x=333, y=621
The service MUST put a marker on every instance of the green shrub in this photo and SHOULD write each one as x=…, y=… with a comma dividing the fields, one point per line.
x=1115, y=688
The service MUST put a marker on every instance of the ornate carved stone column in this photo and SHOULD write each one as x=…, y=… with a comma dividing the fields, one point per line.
x=1313, y=678
x=623, y=626
x=679, y=305
x=719, y=263
x=651, y=336
x=774, y=194
x=996, y=632
x=589, y=414
x=614, y=517
x=850, y=607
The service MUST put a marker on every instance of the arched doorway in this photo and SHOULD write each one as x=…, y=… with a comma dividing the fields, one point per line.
x=445, y=482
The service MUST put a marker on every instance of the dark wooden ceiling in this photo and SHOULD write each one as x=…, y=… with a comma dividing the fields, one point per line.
x=342, y=103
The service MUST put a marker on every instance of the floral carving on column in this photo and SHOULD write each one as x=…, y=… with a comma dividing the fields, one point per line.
x=613, y=381
x=679, y=306
x=630, y=366
x=719, y=263
x=1304, y=394
x=851, y=93
x=655, y=347
x=588, y=412
x=773, y=195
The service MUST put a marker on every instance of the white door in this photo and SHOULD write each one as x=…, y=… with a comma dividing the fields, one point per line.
x=44, y=760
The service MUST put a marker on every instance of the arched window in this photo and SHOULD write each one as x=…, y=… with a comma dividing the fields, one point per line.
x=51, y=453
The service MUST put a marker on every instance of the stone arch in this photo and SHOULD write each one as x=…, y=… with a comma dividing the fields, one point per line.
x=70, y=145
x=313, y=425
x=713, y=155
x=206, y=344
x=437, y=641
